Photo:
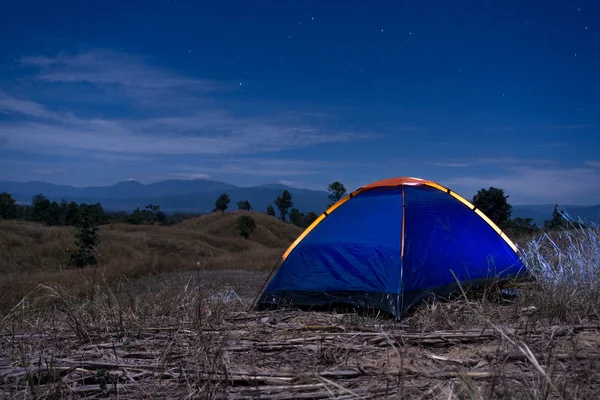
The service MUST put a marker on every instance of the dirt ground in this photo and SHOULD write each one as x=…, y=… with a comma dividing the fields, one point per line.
x=191, y=335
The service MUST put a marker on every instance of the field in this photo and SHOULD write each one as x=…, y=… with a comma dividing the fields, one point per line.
x=33, y=253
x=166, y=315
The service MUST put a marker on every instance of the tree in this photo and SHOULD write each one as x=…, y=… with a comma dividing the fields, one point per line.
x=493, y=203
x=296, y=217
x=95, y=212
x=54, y=216
x=523, y=225
x=270, y=210
x=558, y=219
x=71, y=213
x=337, y=191
x=244, y=205
x=8, y=210
x=152, y=215
x=284, y=203
x=222, y=203
x=246, y=225
x=85, y=240
x=40, y=208
x=309, y=219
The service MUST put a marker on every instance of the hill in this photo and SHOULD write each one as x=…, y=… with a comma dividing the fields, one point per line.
x=34, y=253
x=197, y=195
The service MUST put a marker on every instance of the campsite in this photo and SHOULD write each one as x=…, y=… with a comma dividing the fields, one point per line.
x=299, y=200
x=171, y=312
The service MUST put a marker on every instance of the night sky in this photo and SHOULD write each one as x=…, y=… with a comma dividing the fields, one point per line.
x=470, y=94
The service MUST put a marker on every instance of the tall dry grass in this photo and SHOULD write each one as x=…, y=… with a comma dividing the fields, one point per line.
x=32, y=253
x=565, y=266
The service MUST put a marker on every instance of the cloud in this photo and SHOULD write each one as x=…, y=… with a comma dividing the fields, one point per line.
x=188, y=176
x=11, y=105
x=166, y=122
x=499, y=161
x=129, y=74
x=538, y=185
x=266, y=167
x=223, y=135
x=593, y=164
x=47, y=171
x=299, y=185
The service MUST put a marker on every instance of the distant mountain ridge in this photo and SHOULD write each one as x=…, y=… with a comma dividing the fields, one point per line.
x=199, y=195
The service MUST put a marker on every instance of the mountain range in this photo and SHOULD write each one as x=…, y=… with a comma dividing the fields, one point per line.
x=199, y=195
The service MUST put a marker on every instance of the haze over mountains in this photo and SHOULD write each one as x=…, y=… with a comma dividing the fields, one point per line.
x=199, y=195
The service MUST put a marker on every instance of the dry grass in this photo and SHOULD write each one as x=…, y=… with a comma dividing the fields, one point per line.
x=32, y=253
x=191, y=335
x=565, y=266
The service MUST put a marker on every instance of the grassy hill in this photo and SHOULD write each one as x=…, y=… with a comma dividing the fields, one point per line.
x=34, y=253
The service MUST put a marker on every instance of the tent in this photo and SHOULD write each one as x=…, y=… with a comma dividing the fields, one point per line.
x=388, y=245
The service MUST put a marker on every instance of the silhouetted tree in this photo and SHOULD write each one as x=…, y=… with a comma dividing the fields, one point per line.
x=296, y=217
x=558, y=220
x=270, y=210
x=150, y=215
x=284, y=203
x=222, y=203
x=523, y=225
x=95, y=212
x=8, y=209
x=244, y=205
x=85, y=239
x=40, y=208
x=309, y=219
x=494, y=203
x=337, y=191
x=246, y=225
x=71, y=213
x=54, y=216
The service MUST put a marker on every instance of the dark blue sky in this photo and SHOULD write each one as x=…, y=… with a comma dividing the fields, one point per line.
x=471, y=94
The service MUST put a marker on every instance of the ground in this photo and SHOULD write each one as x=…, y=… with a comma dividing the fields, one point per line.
x=192, y=334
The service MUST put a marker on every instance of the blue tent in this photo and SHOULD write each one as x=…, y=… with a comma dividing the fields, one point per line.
x=388, y=245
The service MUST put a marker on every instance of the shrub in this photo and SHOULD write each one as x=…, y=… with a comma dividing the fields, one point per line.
x=246, y=225
x=85, y=239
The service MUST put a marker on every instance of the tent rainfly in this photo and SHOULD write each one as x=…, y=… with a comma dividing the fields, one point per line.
x=388, y=245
